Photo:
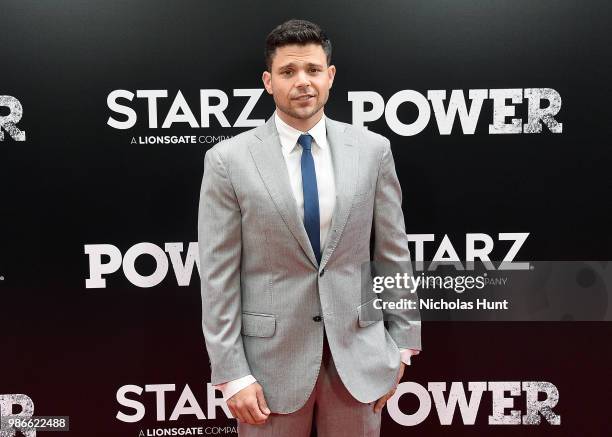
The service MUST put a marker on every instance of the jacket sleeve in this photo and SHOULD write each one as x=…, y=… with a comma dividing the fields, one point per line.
x=220, y=249
x=391, y=253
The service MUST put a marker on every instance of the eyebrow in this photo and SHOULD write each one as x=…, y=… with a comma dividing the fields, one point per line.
x=292, y=64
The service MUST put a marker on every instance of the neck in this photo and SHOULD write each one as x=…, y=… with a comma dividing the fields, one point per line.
x=303, y=125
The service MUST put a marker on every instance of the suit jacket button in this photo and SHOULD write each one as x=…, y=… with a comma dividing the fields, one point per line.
x=317, y=318
x=322, y=273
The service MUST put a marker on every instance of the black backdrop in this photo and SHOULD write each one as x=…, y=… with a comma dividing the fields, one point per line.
x=76, y=182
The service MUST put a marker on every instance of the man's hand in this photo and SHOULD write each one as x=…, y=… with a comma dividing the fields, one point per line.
x=382, y=401
x=249, y=405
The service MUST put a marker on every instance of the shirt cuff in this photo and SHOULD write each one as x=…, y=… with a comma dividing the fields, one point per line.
x=405, y=355
x=230, y=388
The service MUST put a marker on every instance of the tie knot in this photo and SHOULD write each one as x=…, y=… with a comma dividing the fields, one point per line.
x=305, y=140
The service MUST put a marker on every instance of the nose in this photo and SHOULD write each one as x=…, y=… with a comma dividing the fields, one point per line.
x=302, y=79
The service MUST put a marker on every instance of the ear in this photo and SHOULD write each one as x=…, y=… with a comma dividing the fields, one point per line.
x=266, y=78
x=331, y=73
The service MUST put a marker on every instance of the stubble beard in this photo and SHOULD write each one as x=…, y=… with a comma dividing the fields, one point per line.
x=302, y=115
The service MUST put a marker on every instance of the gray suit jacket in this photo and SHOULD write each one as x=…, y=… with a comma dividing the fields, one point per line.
x=261, y=286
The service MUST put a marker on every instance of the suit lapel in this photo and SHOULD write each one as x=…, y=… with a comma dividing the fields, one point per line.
x=345, y=160
x=270, y=163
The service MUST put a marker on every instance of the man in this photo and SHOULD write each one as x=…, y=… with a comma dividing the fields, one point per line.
x=285, y=220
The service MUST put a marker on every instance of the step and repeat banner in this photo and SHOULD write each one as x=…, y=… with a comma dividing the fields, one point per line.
x=498, y=115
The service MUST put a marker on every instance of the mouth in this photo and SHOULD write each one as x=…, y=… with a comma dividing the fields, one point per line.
x=304, y=97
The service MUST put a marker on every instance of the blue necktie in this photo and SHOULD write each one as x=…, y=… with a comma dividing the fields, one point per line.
x=311, y=195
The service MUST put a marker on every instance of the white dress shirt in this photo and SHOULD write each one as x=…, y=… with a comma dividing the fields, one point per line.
x=326, y=186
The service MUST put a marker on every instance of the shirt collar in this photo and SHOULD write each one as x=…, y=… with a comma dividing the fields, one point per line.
x=289, y=135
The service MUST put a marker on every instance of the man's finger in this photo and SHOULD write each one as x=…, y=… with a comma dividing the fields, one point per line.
x=261, y=400
x=401, y=373
x=231, y=408
x=238, y=415
x=244, y=411
x=379, y=404
x=382, y=401
x=256, y=413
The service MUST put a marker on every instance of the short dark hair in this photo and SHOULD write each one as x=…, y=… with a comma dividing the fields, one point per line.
x=299, y=32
